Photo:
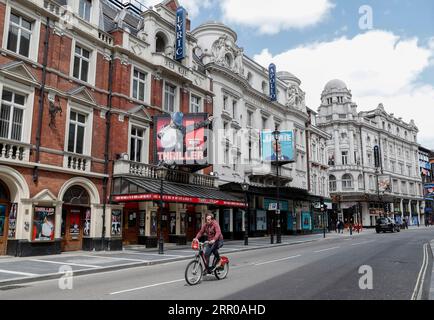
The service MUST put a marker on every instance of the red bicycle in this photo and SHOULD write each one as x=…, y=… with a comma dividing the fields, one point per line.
x=198, y=268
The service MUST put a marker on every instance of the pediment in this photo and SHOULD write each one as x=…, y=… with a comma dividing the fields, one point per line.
x=140, y=112
x=83, y=94
x=19, y=70
x=45, y=196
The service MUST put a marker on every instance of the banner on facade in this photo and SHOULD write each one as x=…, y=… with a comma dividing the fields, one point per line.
x=272, y=81
x=429, y=190
x=43, y=224
x=181, y=26
x=281, y=150
x=182, y=139
x=384, y=183
x=116, y=230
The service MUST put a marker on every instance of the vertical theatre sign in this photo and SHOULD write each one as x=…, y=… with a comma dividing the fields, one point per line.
x=180, y=33
x=272, y=80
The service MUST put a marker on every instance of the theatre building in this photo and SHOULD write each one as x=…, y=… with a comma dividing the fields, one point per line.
x=80, y=85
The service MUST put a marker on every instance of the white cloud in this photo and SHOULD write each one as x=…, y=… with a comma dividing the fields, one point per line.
x=272, y=16
x=378, y=66
x=192, y=6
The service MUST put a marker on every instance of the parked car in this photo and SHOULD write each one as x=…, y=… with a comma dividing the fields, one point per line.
x=387, y=224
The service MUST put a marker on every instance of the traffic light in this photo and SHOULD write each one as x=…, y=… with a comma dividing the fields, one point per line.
x=377, y=156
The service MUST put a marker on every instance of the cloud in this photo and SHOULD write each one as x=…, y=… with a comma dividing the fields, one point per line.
x=378, y=66
x=272, y=16
x=193, y=6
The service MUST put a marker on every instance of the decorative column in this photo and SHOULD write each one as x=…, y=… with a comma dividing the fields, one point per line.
x=402, y=209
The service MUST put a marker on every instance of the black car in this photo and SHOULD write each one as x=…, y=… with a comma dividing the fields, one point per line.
x=387, y=224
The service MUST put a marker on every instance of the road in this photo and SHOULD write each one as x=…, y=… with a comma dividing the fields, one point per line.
x=311, y=271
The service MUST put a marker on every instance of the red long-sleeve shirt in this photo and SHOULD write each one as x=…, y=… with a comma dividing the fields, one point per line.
x=212, y=230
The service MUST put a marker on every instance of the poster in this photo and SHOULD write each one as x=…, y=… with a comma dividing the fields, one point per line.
x=182, y=138
x=13, y=221
x=142, y=223
x=282, y=150
x=43, y=224
x=2, y=219
x=384, y=183
x=261, y=220
x=74, y=223
x=306, y=221
x=116, y=223
x=86, y=229
x=153, y=223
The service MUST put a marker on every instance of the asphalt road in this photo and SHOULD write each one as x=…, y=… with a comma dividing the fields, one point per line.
x=311, y=271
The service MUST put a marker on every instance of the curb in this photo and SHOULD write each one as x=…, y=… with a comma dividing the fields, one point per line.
x=53, y=276
x=431, y=289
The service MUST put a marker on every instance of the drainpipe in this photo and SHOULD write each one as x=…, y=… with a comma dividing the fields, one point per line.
x=107, y=150
x=41, y=100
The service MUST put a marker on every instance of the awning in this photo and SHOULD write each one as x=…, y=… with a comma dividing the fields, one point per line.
x=149, y=190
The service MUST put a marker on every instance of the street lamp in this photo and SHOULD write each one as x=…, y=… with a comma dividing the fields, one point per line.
x=276, y=135
x=245, y=187
x=323, y=211
x=161, y=175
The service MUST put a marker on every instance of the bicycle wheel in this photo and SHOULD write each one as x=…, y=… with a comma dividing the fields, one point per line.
x=222, y=272
x=193, y=272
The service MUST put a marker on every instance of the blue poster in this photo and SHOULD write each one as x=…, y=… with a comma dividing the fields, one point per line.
x=272, y=80
x=289, y=221
x=180, y=33
x=283, y=149
x=306, y=220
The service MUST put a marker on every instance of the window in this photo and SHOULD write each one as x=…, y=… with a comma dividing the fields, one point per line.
x=195, y=104
x=137, y=144
x=329, y=100
x=264, y=87
x=332, y=183
x=360, y=182
x=11, y=115
x=20, y=34
x=392, y=166
x=227, y=154
x=344, y=157
x=77, y=127
x=225, y=129
x=314, y=152
x=370, y=159
x=81, y=63
x=225, y=103
x=84, y=9
x=160, y=43
x=322, y=190
x=371, y=183
x=139, y=85
x=347, y=182
x=250, y=149
x=234, y=109
x=401, y=168
x=249, y=118
x=169, y=98
x=264, y=123
x=314, y=181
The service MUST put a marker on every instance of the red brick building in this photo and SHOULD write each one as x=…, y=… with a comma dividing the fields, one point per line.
x=80, y=82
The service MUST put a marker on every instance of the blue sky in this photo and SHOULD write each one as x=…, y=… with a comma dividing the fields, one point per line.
x=391, y=62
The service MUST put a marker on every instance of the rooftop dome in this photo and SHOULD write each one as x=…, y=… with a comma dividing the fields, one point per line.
x=287, y=76
x=335, y=84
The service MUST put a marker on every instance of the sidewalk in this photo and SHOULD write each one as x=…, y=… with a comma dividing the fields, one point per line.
x=15, y=270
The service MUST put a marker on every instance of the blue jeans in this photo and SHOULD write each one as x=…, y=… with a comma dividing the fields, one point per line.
x=213, y=249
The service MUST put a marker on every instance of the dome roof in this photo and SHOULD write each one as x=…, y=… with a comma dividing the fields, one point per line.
x=287, y=76
x=335, y=84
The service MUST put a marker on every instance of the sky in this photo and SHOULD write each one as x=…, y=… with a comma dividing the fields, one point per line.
x=382, y=49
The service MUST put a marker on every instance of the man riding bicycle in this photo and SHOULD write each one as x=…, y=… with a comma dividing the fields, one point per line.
x=215, y=238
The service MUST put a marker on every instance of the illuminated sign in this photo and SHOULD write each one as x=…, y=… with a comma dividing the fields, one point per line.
x=180, y=33
x=272, y=80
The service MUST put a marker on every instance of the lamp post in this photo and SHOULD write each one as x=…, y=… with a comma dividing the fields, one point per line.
x=276, y=135
x=323, y=211
x=245, y=187
x=161, y=174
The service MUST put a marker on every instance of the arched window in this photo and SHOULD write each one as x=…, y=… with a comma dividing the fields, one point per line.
x=347, y=181
x=4, y=192
x=249, y=77
x=332, y=183
x=76, y=195
x=160, y=42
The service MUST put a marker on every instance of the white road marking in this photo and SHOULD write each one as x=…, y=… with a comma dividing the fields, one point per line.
x=417, y=293
x=326, y=249
x=145, y=287
x=19, y=273
x=112, y=258
x=151, y=254
x=66, y=263
x=365, y=242
x=278, y=260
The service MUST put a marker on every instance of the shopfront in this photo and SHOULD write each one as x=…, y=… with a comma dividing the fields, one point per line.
x=76, y=218
x=181, y=215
